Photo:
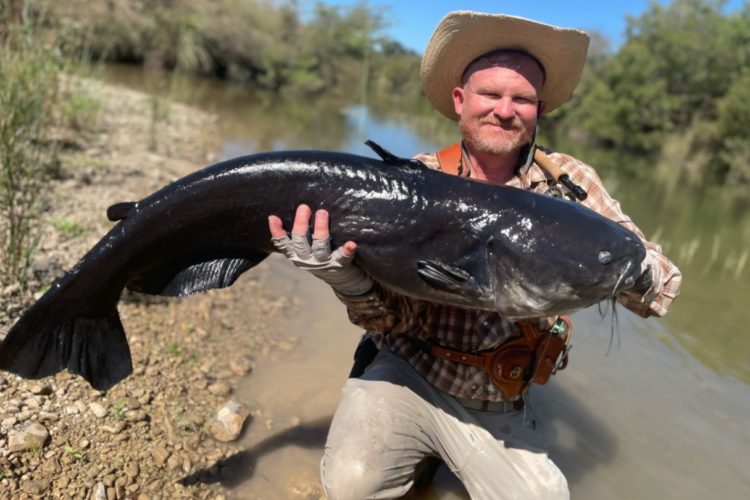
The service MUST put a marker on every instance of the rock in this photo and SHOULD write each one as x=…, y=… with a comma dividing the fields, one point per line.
x=145, y=398
x=98, y=409
x=49, y=417
x=133, y=404
x=229, y=420
x=220, y=388
x=34, y=402
x=34, y=436
x=23, y=416
x=160, y=454
x=35, y=487
x=135, y=415
x=174, y=462
x=72, y=410
x=99, y=492
x=132, y=470
x=40, y=389
x=9, y=422
x=114, y=427
x=241, y=366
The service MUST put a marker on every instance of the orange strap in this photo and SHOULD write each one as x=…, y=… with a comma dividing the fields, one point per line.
x=450, y=158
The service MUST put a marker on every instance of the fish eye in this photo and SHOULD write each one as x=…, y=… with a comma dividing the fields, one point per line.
x=605, y=257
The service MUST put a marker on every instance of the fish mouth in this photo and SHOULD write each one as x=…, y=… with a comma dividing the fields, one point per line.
x=625, y=280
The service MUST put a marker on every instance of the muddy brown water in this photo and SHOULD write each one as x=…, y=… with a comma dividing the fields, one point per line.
x=659, y=415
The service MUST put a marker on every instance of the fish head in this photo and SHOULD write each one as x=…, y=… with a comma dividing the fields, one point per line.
x=559, y=264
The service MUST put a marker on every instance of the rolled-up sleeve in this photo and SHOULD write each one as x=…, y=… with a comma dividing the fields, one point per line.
x=383, y=311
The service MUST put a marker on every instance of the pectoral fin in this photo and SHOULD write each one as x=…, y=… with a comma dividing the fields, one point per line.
x=447, y=278
x=179, y=279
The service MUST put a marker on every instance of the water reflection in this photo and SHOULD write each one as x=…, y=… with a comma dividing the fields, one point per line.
x=707, y=233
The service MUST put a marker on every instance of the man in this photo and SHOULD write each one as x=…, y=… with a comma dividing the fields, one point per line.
x=495, y=75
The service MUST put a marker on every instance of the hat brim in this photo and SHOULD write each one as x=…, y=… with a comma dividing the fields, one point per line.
x=463, y=36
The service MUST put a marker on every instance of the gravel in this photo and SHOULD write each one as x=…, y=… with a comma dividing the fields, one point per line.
x=59, y=438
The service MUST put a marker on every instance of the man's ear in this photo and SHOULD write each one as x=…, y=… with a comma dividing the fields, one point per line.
x=540, y=108
x=458, y=99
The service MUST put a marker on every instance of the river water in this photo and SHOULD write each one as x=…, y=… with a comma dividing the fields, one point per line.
x=660, y=415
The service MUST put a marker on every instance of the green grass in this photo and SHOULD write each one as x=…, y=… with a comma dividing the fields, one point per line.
x=73, y=453
x=68, y=228
x=79, y=111
x=118, y=410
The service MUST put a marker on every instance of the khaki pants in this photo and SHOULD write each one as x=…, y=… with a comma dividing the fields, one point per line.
x=390, y=419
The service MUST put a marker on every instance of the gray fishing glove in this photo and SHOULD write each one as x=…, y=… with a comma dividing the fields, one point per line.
x=334, y=268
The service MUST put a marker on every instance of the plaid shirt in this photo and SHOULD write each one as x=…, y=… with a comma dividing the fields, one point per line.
x=393, y=317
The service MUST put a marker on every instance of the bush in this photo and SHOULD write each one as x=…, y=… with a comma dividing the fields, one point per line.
x=28, y=76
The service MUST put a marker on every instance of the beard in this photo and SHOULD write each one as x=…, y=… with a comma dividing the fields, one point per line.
x=500, y=141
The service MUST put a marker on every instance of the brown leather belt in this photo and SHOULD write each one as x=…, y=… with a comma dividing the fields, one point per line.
x=530, y=358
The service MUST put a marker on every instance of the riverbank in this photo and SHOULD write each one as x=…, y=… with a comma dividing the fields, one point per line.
x=156, y=434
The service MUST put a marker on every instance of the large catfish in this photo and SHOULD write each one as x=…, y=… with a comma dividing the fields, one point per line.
x=419, y=232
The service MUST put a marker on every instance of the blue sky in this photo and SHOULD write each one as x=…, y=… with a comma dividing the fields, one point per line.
x=412, y=22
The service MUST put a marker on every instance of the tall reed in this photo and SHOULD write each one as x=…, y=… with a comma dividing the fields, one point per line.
x=28, y=81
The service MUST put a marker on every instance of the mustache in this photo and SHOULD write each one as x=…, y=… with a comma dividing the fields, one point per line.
x=513, y=123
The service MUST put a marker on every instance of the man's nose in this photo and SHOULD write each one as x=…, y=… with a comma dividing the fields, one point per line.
x=504, y=109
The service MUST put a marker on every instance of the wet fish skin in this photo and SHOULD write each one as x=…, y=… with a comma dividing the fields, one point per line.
x=420, y=232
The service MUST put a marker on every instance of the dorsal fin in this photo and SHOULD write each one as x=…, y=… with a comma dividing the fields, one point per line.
x=391, y=159
x=120, y=211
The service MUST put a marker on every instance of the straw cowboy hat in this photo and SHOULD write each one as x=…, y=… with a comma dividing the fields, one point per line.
x=463, y=36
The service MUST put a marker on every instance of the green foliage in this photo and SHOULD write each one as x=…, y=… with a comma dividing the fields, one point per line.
x=733, y=123
x=68, y=227
x=78, y=110
x=117, y=411
x=28, y=83
x=264, y=43
x=676, y=94
x=73, y=452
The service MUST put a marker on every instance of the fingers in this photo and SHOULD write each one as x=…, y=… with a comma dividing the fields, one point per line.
x=321, y=235
x=276, y=227
x=301, y=220
x=349, y=249
x=301, y=223
x=320, y=228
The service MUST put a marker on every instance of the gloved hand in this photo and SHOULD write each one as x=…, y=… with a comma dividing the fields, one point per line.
x=335, y=268
x=644, y=282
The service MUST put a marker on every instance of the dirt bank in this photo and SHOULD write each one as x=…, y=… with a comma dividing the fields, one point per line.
x=155, y=435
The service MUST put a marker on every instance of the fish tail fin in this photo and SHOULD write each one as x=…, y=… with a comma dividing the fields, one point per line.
x=93, y=347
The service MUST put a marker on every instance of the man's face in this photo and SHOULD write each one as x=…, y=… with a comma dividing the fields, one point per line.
x=498, y=105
